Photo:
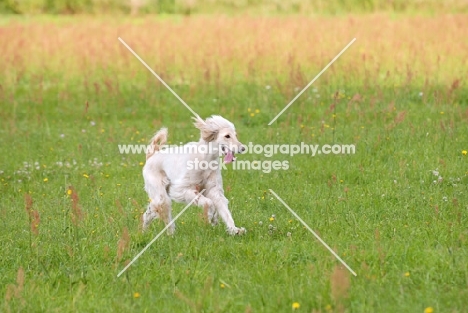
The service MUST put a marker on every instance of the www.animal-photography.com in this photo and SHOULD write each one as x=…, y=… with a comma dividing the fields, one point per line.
x=234, y=156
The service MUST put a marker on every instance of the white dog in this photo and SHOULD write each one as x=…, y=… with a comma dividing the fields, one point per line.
x=171, y=175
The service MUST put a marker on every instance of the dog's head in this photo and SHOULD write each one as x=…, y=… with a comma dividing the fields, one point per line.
x=221, y=133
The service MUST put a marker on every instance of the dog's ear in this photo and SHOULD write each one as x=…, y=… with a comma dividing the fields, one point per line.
x=199, y=122
x=208, y=131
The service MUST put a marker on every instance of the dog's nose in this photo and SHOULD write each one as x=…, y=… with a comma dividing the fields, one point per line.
x=242, y=149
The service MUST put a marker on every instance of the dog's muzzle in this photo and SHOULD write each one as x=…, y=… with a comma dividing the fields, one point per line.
x=229, y=154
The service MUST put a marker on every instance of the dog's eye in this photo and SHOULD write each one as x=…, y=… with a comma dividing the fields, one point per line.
x=227, y=136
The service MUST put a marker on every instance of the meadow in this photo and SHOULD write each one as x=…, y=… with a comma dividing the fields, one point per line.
x=396, y=211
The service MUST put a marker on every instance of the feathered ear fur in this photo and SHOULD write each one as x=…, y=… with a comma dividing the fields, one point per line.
x=208, y=131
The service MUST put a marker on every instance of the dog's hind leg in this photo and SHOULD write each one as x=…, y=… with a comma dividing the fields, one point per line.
x=159, y=209
x=160, y=205
x=166, y=214
x=149, y=216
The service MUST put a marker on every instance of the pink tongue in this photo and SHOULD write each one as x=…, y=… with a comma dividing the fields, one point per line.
x=229, y=157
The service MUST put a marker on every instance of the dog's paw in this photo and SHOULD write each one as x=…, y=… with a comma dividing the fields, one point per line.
x=148, y=217
x=145, y=224
x=236, y=231
x=241, y=231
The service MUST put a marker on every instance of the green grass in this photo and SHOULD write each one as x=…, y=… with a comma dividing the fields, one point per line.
x=380, y=208
x=188, y=7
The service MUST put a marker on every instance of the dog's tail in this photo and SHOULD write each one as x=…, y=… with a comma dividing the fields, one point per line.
x=159, y=139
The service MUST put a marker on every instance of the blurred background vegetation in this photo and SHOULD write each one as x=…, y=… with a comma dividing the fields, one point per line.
x=188, y=7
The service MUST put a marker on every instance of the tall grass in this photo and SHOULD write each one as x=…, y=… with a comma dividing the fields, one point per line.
x=223, y=51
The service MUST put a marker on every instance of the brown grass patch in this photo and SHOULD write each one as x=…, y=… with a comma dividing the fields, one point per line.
x=227, y=49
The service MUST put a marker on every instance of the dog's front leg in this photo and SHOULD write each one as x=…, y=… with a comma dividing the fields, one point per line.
x=203, y=202
x=221, y=204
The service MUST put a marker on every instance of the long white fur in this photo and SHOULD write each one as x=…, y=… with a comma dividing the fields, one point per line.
x=167, y=176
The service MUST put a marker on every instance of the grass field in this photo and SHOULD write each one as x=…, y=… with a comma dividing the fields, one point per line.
x=396, y=211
